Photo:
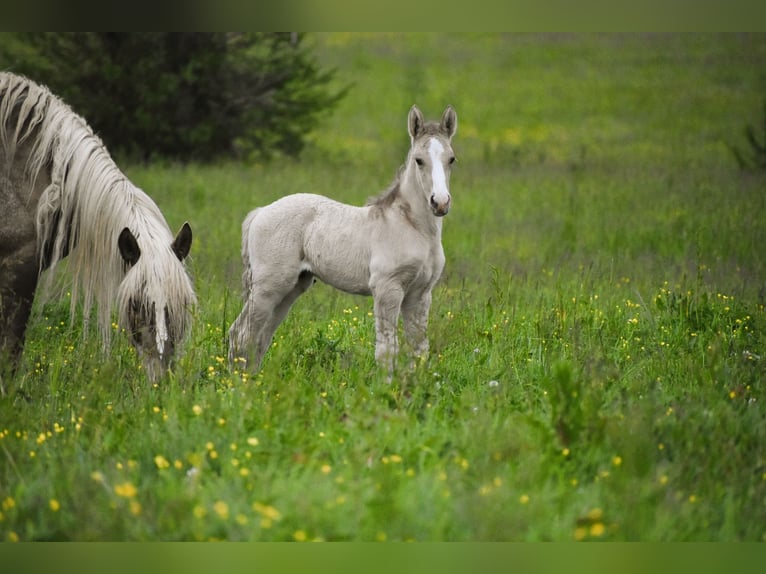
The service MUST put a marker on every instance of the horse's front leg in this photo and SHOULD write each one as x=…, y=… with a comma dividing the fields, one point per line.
x=387, y=303
x=415, y=316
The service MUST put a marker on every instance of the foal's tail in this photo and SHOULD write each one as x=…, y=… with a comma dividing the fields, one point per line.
x=246, y=230
x=245, y=250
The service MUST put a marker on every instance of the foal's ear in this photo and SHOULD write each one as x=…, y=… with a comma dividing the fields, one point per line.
x=182, y=242
x=128, y=246
x=415, y=122
x=449, y=122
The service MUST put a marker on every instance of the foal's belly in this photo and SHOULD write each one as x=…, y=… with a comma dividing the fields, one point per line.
x=336, y=247
x=346, y=278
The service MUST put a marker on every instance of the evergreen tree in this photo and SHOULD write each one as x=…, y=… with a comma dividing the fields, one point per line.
x=187, y=96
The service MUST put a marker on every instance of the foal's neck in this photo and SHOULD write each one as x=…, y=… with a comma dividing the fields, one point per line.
x=413, y=204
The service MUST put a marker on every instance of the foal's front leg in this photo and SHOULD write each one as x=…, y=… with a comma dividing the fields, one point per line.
x=387, y=303
x=415, y=316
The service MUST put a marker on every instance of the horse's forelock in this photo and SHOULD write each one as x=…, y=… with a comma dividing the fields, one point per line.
x=161, y=282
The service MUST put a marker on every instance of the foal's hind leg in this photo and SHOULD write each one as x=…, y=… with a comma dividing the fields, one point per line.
x=246, y=333
x=251, y=334
x=240, y=336
x=305, y=280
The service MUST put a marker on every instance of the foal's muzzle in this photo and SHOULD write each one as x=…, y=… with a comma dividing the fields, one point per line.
x=440, y=209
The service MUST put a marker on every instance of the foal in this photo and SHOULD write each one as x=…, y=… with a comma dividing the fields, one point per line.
x=390, y=248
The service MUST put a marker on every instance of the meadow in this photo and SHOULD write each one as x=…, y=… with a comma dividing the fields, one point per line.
x=598, y=338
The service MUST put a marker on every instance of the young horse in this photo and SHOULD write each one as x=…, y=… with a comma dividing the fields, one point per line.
x=61, y=195
x=390, y=249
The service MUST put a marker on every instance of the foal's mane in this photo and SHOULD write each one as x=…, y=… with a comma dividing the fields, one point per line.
x=388, y=197
x=87, y=201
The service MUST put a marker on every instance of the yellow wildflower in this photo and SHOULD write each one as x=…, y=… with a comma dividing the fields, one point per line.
x=267, y=511
x=221, y=509
x=595, y=514
x=161, y=462
x=125, y=490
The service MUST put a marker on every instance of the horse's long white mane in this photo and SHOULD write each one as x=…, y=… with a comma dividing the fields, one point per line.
x=86, y=205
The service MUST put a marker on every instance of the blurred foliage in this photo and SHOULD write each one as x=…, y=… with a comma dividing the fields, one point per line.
x=187, y=96
x=755, y=159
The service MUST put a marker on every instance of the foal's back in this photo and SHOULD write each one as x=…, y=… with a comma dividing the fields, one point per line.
x=311, y=233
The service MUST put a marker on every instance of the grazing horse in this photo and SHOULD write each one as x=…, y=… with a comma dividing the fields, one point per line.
x=390, y=248
x=62, y=195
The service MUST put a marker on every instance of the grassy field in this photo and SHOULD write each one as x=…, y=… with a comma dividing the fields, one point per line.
x=598, y=337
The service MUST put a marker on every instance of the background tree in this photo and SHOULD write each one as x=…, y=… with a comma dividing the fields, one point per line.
x=187, y=96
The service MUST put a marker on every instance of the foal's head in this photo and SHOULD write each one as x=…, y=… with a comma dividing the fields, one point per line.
x=155, y=297
x=432, y=155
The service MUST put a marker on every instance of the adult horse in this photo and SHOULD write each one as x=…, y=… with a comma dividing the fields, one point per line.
x=390, y=249
x=62, y=195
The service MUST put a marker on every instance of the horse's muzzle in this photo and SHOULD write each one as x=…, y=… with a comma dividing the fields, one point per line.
x=440, y=209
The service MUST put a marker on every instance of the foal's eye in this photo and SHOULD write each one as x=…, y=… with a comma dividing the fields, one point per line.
x=419, y=161
x=452, y=160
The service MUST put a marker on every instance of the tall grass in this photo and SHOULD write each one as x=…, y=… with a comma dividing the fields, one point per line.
x=597, y=339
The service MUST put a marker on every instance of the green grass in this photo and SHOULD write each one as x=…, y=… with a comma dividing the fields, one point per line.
x=598, y=337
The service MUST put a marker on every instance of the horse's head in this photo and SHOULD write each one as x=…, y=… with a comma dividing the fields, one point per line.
x=156, y=296
x=433, y=157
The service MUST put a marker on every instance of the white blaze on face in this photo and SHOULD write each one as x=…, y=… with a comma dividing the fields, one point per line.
x=161, y=331
x=439, y=191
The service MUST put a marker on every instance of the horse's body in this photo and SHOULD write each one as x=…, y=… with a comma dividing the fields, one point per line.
x=390, y=249
x=61, y=195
